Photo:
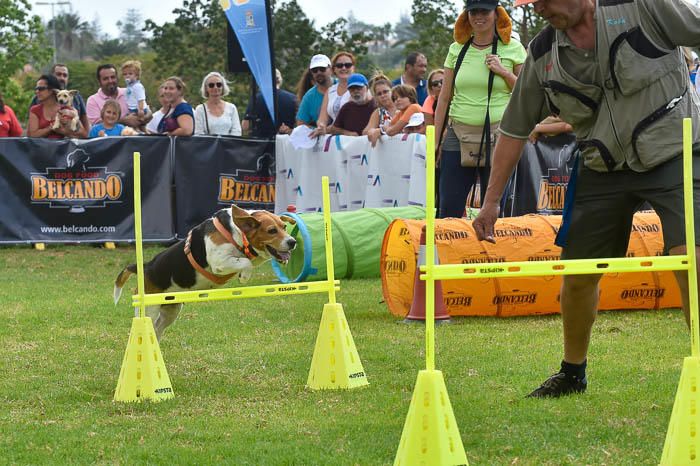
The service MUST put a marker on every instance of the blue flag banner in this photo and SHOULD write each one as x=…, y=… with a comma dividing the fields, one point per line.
x=248, y=18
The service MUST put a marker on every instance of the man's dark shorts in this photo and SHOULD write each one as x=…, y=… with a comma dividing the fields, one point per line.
x=605, y=203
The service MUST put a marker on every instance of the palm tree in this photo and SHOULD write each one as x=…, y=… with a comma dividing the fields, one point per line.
x=70, y=32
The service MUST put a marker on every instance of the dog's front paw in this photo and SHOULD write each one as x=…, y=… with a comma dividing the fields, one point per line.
x=245, y=275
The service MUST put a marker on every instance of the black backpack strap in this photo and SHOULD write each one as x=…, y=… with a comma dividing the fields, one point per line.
x=206, y=117
x=460, y=59
x=486, y=133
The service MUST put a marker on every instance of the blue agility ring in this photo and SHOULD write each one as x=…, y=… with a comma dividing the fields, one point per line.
x=306, y=269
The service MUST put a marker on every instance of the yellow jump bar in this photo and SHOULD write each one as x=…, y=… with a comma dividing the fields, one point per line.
x=562, y=267
x=233, y=293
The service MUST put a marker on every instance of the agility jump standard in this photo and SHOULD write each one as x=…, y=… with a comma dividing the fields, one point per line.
x=430, y=434
x=143, y=376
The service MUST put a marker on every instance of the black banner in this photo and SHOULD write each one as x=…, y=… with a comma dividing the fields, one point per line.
x=539, y=184
x=82, y=190
x=214, y=172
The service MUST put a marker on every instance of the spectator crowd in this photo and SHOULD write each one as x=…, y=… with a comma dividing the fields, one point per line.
x=465, y=100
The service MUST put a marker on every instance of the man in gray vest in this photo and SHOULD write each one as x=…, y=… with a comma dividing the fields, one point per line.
x=613, y=70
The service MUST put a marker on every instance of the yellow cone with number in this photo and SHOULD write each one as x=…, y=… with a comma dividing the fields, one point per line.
x=335, y=363
x=143, y=375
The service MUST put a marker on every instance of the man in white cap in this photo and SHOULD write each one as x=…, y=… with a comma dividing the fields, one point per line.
x=613, y=70
x=310, y=106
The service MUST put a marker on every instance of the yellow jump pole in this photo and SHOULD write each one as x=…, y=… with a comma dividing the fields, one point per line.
x=141, y=311
x=682, y=444
x=688, y=199
x=143, y=375
x=328, y=238
x=430, y=250
x=430, y=434
x=335, y=363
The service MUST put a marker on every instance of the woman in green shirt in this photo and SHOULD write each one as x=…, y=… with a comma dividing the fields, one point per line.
x=481, y=24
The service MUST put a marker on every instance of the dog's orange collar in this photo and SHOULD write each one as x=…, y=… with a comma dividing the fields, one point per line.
x=246, y=248
x=218, y=279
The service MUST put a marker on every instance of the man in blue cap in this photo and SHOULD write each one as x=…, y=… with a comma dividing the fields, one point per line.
x=354, y=115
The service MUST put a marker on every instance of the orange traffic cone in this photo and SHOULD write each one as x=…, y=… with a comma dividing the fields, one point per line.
x=417, y=312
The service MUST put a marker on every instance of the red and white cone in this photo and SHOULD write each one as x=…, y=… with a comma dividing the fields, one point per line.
x=417, y=312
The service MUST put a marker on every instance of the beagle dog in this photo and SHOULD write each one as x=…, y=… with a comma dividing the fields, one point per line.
x=226, y=245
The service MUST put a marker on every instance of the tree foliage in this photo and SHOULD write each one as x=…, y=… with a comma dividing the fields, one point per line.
x=22, y=41
x=337, y=36
x=131, y=31
x=191, y=46
x=294, y=38
x=74, y=37
x=432, y=25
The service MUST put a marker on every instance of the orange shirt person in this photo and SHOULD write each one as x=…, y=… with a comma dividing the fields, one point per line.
x=406, y=102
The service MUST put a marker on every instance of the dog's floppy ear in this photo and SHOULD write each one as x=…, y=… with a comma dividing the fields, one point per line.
x=243, y=219
x=73, y=92
x=289, y=220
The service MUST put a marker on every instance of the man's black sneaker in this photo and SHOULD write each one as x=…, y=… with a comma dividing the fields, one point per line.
x=559, y=385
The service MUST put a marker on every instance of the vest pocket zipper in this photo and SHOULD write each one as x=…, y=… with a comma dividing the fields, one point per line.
x=655, y=116
x=639, y=43
x=556, y=87
x=605, y=154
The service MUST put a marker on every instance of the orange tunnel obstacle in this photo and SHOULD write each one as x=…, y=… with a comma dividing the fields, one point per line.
x=527, y=238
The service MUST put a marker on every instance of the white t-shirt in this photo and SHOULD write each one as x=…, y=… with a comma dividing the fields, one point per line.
x=135, y=92
x=152, y=125
x=227, y=124
x=336, y=101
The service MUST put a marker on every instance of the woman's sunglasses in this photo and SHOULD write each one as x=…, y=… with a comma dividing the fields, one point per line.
x=213, y=85
x=41, y=88
x=437, y=82
x=343, y=65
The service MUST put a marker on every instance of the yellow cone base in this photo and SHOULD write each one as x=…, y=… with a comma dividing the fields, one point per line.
x=143, y=375
x=335, y=363
x=682, y=447
x=430, y=434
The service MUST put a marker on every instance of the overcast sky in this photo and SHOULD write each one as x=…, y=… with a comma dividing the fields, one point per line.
x=160, y=11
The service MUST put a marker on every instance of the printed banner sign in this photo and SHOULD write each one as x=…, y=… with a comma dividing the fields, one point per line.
x=392, y=174
x=214, y=172
x=540, y=181
x=82, y=190
x=248, y=19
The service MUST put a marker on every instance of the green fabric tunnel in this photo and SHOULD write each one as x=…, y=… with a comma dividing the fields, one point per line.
x=357, y=242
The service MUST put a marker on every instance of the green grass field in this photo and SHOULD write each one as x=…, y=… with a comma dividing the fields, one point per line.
x=238, y=370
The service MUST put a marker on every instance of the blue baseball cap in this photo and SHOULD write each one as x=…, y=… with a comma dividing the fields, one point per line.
x=357, y=79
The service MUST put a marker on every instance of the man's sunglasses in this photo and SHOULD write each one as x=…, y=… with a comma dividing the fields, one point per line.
x=319, y=69
x=344, y=65
x=213, y=85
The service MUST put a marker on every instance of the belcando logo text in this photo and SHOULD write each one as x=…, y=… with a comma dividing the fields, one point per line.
x=642, y=293
x=66, y=186
x=515, y=299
